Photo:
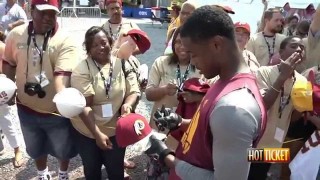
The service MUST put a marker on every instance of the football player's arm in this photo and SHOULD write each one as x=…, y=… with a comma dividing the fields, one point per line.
x=234, y=124
x=187, y=171
x=232, y=138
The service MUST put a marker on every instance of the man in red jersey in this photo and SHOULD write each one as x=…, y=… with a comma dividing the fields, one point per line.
x=231, y=116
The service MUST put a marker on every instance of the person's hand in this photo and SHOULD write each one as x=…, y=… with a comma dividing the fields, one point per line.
x=171, y=89
x=143, y=84
x=265, y=2
x=190, y=97
x=126, y=109
x=126, y=47
x=2, y=28
x=103, y=142
x=12, y=101
x=315, y=120
x=288, y=66
x=165, y=118
x=158, y=147
x=10, y=27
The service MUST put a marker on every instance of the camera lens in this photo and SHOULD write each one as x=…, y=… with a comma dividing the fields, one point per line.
x=29, y=89
x=41, y=94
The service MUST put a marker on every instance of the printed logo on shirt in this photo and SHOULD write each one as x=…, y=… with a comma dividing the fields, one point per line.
x=22, y=46
x=187, y=137
x=312, y=142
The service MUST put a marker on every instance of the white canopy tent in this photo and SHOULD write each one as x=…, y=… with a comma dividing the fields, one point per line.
x=250, y=11
x=297, y=4
x=297, y=7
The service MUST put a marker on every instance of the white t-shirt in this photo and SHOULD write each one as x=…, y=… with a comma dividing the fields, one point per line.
x=306, y=164
x=8, y=16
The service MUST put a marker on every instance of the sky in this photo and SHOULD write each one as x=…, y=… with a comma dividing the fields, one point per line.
x=250, y=11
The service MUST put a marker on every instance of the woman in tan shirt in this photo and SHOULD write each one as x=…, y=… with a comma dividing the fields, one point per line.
x=109, y=94
x=167, y=76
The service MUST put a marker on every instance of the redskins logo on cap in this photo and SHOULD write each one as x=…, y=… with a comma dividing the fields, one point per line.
x=138, y=126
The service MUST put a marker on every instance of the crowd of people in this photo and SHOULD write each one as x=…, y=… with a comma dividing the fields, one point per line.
x=218, y=89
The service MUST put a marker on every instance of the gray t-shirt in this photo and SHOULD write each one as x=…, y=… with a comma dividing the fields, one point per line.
x=235, y=123
x=11, y=15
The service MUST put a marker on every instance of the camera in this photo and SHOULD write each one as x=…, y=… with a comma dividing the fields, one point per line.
x=34, y=88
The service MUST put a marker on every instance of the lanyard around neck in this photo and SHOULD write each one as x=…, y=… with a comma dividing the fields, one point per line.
x=107, y=82
x=284, y=101
x=269, y=47
x=114, y=36
x=184, y=77
x=32, y=37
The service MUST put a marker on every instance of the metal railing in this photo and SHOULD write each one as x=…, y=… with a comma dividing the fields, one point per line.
x=80, y=18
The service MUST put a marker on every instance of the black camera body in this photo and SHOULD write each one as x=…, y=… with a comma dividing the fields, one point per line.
x=34, y=88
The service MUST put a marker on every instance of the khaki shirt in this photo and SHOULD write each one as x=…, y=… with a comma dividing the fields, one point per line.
x=87, y=79
x=276, y=128
x=116, y=29
x=287, y=32
x=61, y=56
x=133, y=63
x=312, y=50
x=161, y=73
x=251, y=60
x=258, y=46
